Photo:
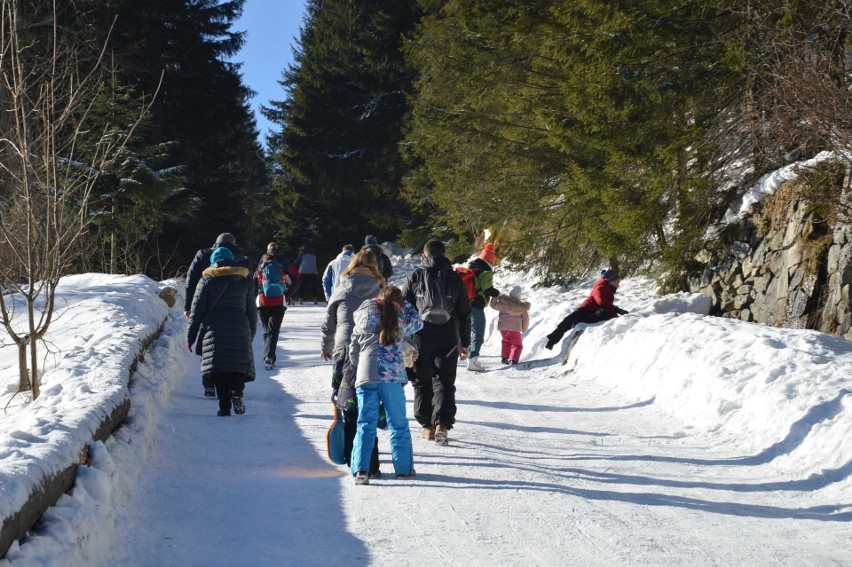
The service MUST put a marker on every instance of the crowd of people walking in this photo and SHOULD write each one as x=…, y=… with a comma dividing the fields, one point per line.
x=377, y=336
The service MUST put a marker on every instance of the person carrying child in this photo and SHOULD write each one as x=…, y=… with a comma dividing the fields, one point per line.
x=514, y=319
x=377, y=367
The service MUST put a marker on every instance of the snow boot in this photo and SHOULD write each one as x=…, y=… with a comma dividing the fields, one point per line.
x=474, y=366
x=412, y=474
x=239, y=405
x=428, y=433
x=440, y=435
x=209, y=392
x=268, y=363
x=362, y=478
x=504, y=361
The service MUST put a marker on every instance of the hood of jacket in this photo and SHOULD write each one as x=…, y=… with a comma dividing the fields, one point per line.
x=358, y=284
x=223, y=271
x=345, y=254
x=512, y=303
x=437, y=262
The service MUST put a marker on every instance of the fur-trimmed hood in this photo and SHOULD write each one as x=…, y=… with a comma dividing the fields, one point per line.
x=223, y=271
x=511, y=303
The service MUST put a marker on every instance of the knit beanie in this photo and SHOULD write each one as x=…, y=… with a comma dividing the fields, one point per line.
x=609, y=275
x=488, y=253
x=516, y=292
x=370, y=239
x=219, y=254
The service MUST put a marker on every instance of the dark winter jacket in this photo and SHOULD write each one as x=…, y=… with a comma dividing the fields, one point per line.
x=456, y=293
x=385, y=266
x=484, y=287
x=200, y=263
x=229, y=327
x=601, y=297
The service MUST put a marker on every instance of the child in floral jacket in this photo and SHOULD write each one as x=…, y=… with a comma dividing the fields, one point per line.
x=378, y=371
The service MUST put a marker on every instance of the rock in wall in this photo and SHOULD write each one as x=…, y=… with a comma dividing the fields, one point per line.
x=783, y=267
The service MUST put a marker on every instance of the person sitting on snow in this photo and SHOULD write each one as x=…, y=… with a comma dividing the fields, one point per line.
x=597, y=307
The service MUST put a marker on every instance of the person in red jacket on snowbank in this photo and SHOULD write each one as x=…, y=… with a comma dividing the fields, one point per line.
x=599, y=306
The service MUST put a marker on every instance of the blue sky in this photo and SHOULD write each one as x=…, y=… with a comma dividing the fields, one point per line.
x=272, y=28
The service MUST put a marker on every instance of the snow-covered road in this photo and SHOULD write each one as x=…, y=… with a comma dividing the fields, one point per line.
x=543, y=468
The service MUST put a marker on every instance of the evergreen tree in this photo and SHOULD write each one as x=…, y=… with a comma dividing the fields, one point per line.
x=338, y=164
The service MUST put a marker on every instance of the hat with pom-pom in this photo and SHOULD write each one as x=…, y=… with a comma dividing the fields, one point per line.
x=488, y=253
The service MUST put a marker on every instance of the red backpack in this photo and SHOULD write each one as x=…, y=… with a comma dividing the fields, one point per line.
x=468, y=276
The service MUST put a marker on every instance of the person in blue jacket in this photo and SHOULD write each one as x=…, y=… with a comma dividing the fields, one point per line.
x=335, y=268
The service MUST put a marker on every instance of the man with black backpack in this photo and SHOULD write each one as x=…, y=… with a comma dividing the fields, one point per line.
x=440, y=295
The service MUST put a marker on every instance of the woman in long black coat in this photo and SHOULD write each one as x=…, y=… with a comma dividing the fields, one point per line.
x=223, y=320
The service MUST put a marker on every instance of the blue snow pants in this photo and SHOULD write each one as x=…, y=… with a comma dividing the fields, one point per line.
x=392, y=396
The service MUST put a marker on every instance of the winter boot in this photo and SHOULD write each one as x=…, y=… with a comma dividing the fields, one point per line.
x=239, y=405
x=362, y=478
x=268, y=363
x=474, y=366
x=428, y=433
x=440, y=435
x=412, y=474
x=504, y=361
x=209, y=392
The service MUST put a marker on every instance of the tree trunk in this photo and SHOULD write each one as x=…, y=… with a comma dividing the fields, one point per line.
x=23, y=372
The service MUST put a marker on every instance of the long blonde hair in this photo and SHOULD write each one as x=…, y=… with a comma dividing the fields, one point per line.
x=366, y=259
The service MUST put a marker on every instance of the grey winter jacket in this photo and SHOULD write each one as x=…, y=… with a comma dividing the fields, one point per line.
x=230, y=326
x=349, y=293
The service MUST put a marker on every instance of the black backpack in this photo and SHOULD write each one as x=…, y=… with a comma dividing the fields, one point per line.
x=433, y=301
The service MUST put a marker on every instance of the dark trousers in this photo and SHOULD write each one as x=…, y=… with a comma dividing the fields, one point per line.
x=434, y=378
x=309, y=288
x=350, y=427
x=270, y=318
x=228, y=384
x=579, y=315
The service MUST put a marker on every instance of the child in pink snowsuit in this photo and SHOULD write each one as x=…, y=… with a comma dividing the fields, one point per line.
x=514, y=319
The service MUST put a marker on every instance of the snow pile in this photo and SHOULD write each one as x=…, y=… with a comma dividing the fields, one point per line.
x=99, y=324
x=782, y=396
x=771, y=407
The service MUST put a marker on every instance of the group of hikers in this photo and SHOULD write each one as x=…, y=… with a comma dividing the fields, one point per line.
x=378, y=336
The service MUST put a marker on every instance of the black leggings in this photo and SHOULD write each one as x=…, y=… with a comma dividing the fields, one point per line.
x=579, y=315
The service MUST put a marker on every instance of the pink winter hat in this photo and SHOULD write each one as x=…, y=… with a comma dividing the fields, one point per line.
x=488, y=253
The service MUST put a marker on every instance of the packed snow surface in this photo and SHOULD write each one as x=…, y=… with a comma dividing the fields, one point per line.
x=666, y=437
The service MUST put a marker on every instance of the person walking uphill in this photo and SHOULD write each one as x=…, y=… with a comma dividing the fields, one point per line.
x=376, y=361
x=359, y=282
x=384, y=263
x=201, y=262
x=272, y=284
x=599, y=306
x=335, y=268
x=222, y=325
x=440, y=295
x=513, y=321
x=308, y=274
x=483, y=278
